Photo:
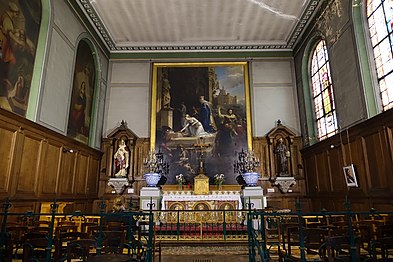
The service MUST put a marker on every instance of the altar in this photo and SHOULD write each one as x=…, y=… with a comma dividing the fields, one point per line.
x=227, y=198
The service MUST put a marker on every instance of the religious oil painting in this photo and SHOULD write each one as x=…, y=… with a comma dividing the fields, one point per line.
x=82, y=94
x=20, y=25
x=200, y=117
x=350, y=176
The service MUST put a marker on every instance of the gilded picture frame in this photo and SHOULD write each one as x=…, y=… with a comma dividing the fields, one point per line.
x=200, y=117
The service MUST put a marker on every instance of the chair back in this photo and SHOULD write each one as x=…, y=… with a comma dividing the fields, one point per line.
x=81, y=249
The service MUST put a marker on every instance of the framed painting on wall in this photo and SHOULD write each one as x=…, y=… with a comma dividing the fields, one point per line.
x=350, y=176
x=20, y=22
x=200, y=110
x=82, y=94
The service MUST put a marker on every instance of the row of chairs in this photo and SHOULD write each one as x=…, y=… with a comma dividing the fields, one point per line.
x=333, y=242
x=70, y=240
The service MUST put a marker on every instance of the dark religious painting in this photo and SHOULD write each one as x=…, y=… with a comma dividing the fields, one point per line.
x=82, y=94
x=200, y=110
x=20, y=25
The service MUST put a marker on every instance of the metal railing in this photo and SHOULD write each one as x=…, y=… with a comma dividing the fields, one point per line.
x=266, y=233
x=129, y=218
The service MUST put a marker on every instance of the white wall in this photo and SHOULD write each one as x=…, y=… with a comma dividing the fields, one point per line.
x=56, y=87
x=273, y=96
x=128, y=97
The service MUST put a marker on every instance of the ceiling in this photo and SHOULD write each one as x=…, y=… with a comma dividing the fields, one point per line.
x=198, y=25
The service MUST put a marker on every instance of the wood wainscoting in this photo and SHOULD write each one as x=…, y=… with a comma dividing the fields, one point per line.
x=39, y=165
x=369, y=147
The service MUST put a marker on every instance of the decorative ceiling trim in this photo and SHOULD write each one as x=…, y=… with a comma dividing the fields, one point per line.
x=105, y=36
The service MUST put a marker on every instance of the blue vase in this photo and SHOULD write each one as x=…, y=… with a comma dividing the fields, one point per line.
x=152, y=179
x=251, y=178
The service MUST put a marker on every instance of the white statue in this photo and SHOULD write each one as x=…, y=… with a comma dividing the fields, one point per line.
x=121, y=160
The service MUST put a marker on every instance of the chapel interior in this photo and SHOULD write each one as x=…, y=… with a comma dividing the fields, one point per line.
x=186, y=130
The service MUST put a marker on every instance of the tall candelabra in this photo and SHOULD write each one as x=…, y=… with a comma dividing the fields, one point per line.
x=246, y=162
x=155, y=163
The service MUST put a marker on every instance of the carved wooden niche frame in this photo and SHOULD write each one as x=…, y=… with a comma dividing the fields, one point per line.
x=284, y=134
x=112, y=144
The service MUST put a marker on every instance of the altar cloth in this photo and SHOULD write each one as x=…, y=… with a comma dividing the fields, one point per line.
x=187, y=200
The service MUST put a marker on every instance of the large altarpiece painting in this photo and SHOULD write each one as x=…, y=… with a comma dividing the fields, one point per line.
x=200, y=108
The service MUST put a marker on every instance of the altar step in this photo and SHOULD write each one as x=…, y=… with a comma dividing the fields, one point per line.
x=205, y=252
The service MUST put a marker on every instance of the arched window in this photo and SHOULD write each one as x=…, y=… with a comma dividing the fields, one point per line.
x=380, y=22
x=322, y=92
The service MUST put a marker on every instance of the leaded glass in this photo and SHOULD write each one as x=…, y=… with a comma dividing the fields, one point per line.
x=380, y=22
x=324, y=108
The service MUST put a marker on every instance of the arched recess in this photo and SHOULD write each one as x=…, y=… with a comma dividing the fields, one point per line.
x=367, y=69
x=311, y=136
x=80, y=73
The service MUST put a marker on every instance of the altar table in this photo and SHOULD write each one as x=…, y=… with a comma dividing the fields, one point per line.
x=187, y=200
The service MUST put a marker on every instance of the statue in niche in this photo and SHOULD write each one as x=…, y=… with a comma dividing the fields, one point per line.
x=282, y=157
x=121, y=158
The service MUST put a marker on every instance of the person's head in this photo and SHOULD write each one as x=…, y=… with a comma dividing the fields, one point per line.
x=187, y=116
x=201, y=98
x=122, y=142
x=13, y=8
x=230, y=111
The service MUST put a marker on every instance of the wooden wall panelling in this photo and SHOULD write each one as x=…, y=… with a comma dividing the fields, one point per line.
x=261, y=150
x=296, y=158
x=375, y=147
x=51, y=169
x=357, y=158
x=35, y=166
x=142, y=149
x=67, y=174
x=323, y=172
x=311, y=175
x=81, y=174
x=389, y=136
x=337, y=182
x=92, y=177
x=28, y=172
x=8, y=137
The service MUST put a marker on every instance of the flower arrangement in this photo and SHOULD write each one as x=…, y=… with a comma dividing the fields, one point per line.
x=180, y=180
x=219, y=179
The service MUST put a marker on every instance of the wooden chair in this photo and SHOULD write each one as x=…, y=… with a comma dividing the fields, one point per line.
x=113, y=241
x=313, y=238
x=93, y=231
x=381, y=248
x=62, y=243
x=86, y=225
x=14, y=240
x=63, y=229
x=35, y=249
x=81, y=249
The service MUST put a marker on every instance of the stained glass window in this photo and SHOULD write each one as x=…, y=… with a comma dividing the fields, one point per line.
x=380, y=23
x=322, y=91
